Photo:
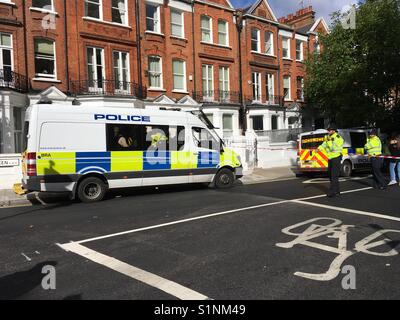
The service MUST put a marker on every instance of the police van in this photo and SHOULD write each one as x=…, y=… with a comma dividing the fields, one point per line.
x=311, y=160
x=87, y=150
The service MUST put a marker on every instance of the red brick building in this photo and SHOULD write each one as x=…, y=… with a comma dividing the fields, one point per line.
x=243, y=66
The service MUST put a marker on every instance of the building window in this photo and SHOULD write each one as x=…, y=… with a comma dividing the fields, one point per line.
x=224, y=83
x=6, y=57
x=269, y=43
x=317, y=46
x=93, y=9
x=286, y=88
x=119, y=11
x=18, y=120
x=300, y=88
x=227, y=125
x=274, y=122
x=270, y=88
x=43, y=4
x=286, y=48
x=208, y=81
x=153, y=18
x=95, y=65
x=223, y=38
x=255, y=40
x=155, y=72
x=206, y=29
x=256, y=86
x=177, y=23
x=179, y=75
x=45, y=61
x=299, y=50
x=258, y=123
x=121, y=71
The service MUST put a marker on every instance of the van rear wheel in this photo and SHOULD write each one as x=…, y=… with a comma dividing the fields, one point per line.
x=224, y=179
x=91, y=189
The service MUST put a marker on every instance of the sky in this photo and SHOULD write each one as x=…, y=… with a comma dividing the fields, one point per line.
x=284, y=7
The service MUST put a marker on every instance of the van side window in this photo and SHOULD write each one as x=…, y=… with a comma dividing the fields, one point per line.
x=358, y=139
x=203, y=139
x=156, y=137
x=176, y=138
x=124, y=137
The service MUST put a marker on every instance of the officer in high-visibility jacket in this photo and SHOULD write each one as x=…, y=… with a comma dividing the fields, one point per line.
x=373, y=147
x=333, y=146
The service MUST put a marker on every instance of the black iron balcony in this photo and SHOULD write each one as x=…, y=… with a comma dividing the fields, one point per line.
x=105, y=87
x=13, y=80
x=269, y=100
x=217, y=97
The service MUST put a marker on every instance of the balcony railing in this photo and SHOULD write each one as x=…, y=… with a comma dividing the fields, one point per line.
x=269, y=100
x=217, y=97
x=13, y=80
x=105, y=87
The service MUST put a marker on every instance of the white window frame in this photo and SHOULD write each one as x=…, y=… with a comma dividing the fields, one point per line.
x=224, y=92
x=289, y=98
x=256, y=83
x=161, y=73
x=182, y=25
x=184, y=76
x=210, y=30
x=100, y=4
x=258, y=40
x=226, y=44
x=158, y=18
x=301, y=50
x=270, y=84
x=288, y=47
x=11, y=48
x=95, y=63
x=209, y=96
x=126, y=14
x=271, y=40
x=43, y=75
x=121, y=70
x=52, y=9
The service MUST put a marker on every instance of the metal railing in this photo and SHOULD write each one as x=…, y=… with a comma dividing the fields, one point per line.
x=217, y=96
x=284, y=135
x=106, y=87
x=271, y=100
x=12, y=80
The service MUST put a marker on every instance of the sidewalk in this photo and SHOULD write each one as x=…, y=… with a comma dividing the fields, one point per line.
x=9, y=199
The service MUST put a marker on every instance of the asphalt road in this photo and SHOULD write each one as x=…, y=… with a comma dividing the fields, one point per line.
x=194, y=242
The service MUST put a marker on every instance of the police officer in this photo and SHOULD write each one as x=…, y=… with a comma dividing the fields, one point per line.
x=333, y=146
x=373, y=147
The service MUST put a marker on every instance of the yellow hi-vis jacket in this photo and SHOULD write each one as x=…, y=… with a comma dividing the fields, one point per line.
x=373, y=146
x=333, y=146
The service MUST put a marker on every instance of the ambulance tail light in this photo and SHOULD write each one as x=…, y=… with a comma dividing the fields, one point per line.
x=31, y=164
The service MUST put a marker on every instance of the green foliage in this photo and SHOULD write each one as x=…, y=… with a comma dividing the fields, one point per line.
x=356, y=78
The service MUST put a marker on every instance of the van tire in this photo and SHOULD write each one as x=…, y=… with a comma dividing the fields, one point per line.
x=346, y=169
x=224, y=179
x=91, y=189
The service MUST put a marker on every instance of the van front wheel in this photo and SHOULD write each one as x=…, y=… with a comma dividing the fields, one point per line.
x=224, y=179
x=91, y=189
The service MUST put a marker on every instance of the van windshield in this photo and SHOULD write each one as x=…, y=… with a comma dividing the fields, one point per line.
x=312, y=141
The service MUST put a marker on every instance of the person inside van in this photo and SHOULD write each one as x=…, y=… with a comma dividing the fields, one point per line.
x=394, y=148
x=120, y=140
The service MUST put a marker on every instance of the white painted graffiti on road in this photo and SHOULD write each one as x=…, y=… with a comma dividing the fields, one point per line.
x=335, y=229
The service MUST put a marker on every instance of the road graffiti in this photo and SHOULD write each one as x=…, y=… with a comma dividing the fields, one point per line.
x=335, y=229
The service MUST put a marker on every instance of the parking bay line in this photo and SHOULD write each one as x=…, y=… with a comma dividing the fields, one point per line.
x=143, y=276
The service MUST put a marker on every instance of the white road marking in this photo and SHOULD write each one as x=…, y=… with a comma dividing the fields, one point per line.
x=148, y=278
x=343, y=192
x=26, y=257
x=326, y=180
x=359, y=212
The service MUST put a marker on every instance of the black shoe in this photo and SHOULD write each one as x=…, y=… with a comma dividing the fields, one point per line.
x=331, y=195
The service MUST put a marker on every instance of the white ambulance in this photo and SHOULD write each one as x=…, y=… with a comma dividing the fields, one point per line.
x=87, y=150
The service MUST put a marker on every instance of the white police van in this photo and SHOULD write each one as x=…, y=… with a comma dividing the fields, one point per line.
x=87, y=150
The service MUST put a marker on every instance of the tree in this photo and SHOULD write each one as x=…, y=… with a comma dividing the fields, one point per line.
x=355, y=81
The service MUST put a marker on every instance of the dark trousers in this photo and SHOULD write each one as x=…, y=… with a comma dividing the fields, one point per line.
x=334, y=166
x=379, y=179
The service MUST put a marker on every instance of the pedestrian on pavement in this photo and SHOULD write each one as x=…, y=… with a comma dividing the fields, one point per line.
x=373, y=147
x=333, y=146
x=394, y=165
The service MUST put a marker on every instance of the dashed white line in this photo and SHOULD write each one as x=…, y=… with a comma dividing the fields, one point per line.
x=143, y=276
